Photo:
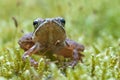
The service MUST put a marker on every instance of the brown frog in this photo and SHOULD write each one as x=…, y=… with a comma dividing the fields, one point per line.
x=49, y=36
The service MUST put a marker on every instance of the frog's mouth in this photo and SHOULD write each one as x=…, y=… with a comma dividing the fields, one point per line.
x=49, y=32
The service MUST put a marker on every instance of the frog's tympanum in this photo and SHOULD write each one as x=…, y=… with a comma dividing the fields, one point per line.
x=49, y=36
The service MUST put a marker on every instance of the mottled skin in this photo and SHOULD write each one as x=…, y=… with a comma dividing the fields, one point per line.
x=49, y=36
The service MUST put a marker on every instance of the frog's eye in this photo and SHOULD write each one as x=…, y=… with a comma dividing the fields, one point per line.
x=62, y=21
x=35, y=24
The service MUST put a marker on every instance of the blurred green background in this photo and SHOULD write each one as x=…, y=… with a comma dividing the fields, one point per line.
x=94, y=23
x=87, y=18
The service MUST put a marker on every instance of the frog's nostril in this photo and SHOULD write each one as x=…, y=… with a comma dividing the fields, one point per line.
x=35, y=23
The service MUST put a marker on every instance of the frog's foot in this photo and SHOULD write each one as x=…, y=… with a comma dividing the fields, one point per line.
x=35, y=48
x=33, y=62
x=73, y=63
x=76, y=58
x=70, y=64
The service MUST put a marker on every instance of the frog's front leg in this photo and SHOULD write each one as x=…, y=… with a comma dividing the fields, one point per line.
x=26, y=42
x=29, y=46
x=76, y=50
x=34, y=49
x=76, y=58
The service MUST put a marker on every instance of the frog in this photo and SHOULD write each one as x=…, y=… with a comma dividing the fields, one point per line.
x=49, y=36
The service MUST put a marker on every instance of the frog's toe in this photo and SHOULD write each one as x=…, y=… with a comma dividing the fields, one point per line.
x=33, y=62
x=72, y=64
x=24, y=57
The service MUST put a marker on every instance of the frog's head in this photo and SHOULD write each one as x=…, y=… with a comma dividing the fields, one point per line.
x=58, y=20
x=49, y=30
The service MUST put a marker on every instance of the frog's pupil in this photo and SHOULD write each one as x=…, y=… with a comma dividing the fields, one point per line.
x=35, y=23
